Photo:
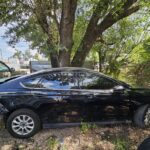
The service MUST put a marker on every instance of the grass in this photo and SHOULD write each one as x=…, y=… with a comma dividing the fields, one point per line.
x=53, y=143
x=121, y=143
x=85, y=127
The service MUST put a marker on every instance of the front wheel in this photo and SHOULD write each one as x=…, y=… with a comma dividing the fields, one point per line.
x=23, y=123
x=142, y=116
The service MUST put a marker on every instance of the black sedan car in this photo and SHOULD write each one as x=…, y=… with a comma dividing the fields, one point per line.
x=68, y=96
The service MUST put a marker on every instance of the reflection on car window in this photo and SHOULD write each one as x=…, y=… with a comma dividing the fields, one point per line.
x=3, y=68
x=94, y=81
x=33, y=82
x=60, y=80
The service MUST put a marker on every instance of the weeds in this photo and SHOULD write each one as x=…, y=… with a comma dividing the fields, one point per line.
x=85, y=127
x=37, y=148
x=53, y=143
x=121, y=144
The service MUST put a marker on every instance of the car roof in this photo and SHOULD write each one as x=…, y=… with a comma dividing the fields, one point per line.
x=55, y=69
x=65, y=69
x=74, y=69
x=59, y=69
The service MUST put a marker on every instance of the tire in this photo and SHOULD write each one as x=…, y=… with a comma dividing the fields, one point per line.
x=139, y=116
x=145, y=145
x=23, y=123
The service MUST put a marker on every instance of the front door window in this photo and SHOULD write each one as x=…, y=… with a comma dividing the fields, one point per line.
x=93, y=81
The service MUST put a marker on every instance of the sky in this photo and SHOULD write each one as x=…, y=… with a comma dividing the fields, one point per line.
x=6, y=50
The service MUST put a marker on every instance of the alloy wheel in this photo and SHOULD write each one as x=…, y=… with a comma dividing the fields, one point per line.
x=22, y=125
x=147, y=117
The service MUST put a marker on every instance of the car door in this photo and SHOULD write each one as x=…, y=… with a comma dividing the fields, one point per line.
x=105, y=103
x=59, y=93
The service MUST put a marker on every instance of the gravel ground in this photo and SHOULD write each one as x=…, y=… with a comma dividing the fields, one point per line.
x=124, y=137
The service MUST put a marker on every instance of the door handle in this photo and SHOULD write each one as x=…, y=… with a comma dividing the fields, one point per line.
x=95, y=94
x=90, y=95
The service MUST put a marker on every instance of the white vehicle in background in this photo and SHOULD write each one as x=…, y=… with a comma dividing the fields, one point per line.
x=39, y=65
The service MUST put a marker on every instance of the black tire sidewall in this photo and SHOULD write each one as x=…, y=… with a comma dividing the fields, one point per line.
x=145, y=145
x=32, y=114
x=140, y=116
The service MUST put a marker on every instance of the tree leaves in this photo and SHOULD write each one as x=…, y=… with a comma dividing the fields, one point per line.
x=41, y=23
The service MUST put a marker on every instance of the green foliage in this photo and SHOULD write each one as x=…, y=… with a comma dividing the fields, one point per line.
x=146, y=45
x=117, y=48
x=85, y=127
x=39, y=21
x=37, y=148
x=121, y=144
x=53, y=143
x=138, y=71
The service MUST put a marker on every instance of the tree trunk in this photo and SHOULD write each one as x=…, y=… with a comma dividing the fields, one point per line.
x=64, y=58
x=66, y=31
x=83, y=51
x=54, y=60
x=87, y=41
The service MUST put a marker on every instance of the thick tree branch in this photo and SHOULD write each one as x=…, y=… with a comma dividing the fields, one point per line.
x=110, y=19
x=95, y=30
x=55, y=6
x=89, y=37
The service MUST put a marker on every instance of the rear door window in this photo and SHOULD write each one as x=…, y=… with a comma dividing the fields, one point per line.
x=59, y=80
x=32, y=82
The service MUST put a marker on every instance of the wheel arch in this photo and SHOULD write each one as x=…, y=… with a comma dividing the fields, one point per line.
x=17, y=108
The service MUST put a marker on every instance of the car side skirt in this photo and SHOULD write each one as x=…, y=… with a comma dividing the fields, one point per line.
x=62, y=125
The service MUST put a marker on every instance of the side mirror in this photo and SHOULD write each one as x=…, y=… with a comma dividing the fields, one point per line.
x=118, y=88
x=12, y=70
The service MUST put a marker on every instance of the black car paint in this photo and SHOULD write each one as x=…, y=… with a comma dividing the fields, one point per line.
x=73, y=105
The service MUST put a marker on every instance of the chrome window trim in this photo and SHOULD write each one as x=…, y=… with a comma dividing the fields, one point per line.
x=77, y=70
x=88, y=90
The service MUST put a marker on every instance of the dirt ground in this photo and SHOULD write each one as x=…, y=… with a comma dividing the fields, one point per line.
x=123, y=137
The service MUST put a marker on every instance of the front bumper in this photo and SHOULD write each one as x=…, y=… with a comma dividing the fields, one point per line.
x=3, y=109
x=1, y=118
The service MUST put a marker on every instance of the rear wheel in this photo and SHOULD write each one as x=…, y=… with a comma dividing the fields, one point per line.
x=23, y=123
x=145, y=145
x=142, y=116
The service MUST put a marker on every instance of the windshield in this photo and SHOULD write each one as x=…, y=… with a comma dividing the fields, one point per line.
x=4, y=71
x=4, y=68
